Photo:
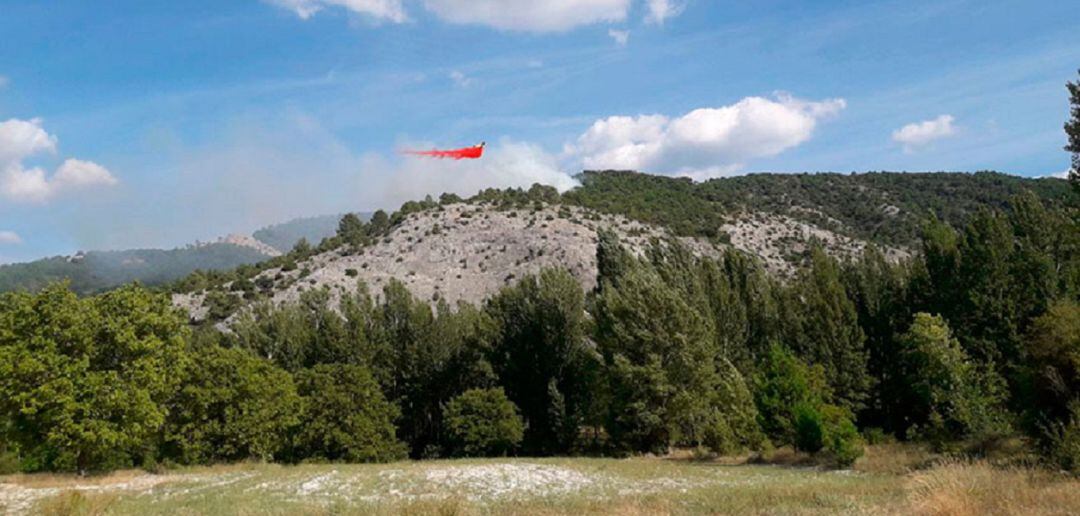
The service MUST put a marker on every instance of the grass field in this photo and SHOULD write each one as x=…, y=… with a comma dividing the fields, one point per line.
x=880, y=484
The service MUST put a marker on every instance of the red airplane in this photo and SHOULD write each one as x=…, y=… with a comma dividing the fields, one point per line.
x=474, y=152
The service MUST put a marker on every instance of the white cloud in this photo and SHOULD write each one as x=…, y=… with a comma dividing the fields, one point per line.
x=4, y=81
x=660, y=10
x=9, y=238
x=621, y=37
x=382, y=10
x=515, y=15
x=460, y=79
x=21, y=139
x=705, y=142
x=919, y=134
x=76, y=173
x=530, y=15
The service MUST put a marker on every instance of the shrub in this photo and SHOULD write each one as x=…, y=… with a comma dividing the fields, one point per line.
x=1063, y=443
x=483, y=422
x=809, y=429
x=784, y=383
x=842, y=438
x=346, y=417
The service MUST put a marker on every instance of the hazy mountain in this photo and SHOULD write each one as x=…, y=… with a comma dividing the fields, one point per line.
x=95, y=271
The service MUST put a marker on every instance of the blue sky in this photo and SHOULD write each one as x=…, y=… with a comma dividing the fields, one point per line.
x=155, y=123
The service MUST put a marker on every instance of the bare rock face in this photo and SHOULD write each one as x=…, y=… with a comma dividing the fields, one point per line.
x=250, y=242
x=779, y=240
x=467, y=252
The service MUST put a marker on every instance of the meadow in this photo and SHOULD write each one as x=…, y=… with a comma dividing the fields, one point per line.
x=890, y=479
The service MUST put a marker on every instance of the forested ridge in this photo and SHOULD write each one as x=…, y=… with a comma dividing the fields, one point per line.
x=883, y=207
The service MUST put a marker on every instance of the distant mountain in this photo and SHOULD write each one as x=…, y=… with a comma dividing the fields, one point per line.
x=102, y=270
x=284, y=236
x=97, y=271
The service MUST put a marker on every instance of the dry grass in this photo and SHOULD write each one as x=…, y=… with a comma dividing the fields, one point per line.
x=75, y=503
x=61, y=480
x=890, y=479
x=977, y=488
x=895, y=459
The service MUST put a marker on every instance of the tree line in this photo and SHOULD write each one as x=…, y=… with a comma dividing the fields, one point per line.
x=976, y=338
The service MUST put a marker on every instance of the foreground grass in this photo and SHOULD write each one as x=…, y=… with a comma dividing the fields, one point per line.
x=558, y=486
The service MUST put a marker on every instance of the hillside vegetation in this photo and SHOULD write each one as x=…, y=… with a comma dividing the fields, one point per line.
x=883, y=207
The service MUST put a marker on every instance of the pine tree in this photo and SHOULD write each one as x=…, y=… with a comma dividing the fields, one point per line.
x=668, y=385
x=823, y=328
x=986, y=314
x=880, y=293
x=540, y=356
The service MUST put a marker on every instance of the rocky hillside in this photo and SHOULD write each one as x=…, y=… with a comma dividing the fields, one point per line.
x=467, y=252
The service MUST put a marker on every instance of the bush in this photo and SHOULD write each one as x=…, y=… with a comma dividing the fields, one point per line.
x=1063, y=443
x=842, y=438
x=483, y=422
x=784, y=383
x=809, y=429
x=829, y=428
x=346, y=417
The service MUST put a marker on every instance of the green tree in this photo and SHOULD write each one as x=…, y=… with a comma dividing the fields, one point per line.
x=950, y=396
x=667, y=383
x=541, y=358
x=434, y=356
x=881, y=294
x=232, y=406
x=302, y=249
x=483, y=423
x=351, y=229
x=83, y=382
x=783, y=385
x=823, y=329
x=345, y=416
x=379, y=223
x=1053, y=351
x=987, y=316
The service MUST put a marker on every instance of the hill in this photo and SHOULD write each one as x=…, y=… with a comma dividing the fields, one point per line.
x=467, y=249
x=772, y=216
x=883, y=207
x=97, y=271
x=284, y=236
